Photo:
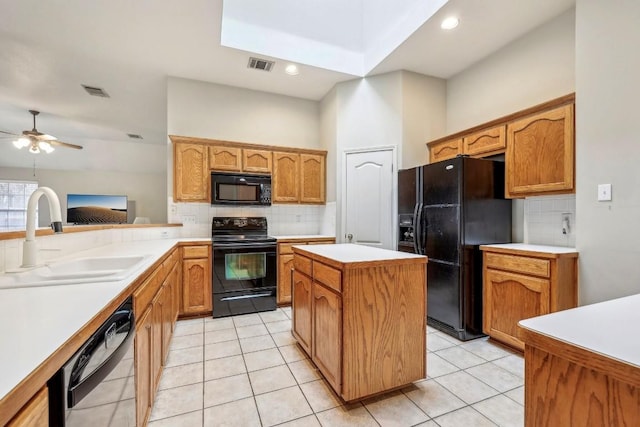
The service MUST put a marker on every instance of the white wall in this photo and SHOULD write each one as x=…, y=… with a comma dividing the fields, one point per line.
x=329, y=138
x=533, y=69
x=423, y=116
x=607, y=148
x=148, y=190
x=229, y=113
x=536, y=68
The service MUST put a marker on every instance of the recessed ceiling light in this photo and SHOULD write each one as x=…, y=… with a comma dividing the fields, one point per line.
x=292, y=70
x=449, y=23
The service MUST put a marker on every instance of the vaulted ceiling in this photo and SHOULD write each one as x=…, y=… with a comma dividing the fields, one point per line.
x=48, y=49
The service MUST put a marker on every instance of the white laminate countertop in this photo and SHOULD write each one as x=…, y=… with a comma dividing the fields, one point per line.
x=534, y=248
x=35, y=322
x=350, y=253
x=605, y=328
x=304, y=236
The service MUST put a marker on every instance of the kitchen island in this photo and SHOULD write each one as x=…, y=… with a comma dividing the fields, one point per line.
x=360, y=314
x=582, y=366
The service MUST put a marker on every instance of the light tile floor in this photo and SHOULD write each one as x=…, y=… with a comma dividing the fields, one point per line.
x=248, y=371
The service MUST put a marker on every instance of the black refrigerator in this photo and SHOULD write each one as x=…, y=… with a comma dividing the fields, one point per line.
x=446, y=211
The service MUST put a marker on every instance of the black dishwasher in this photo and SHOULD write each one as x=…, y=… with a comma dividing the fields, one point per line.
x=96, y=386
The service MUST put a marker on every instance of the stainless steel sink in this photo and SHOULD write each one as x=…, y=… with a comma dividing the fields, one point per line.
x=77, y=271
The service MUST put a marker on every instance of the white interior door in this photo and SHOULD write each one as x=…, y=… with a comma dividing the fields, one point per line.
x=368, y=198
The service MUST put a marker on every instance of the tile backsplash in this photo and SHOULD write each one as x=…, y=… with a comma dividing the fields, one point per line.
x=281, y=219
x=543, y=220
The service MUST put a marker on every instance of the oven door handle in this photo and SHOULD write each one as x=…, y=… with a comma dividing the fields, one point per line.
x=223, y=246
x=80, y=388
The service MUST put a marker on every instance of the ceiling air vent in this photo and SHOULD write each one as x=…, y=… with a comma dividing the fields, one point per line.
x=134, y=136
x=95, y=91
x=260, y=64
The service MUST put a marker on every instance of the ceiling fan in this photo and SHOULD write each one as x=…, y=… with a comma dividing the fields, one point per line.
x=37, y=141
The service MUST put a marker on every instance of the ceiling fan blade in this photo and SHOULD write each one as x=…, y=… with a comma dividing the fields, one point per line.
x=8, y=134
x=44, y=137
x=56, y=142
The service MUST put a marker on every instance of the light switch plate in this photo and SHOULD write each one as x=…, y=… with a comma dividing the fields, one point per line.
x=604, y=192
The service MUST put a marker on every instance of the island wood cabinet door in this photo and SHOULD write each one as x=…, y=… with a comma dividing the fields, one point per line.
x=35, y=413
x=190, y=173
x=485, y=142
x=143, y=356
x=445, y=150
x=327, y=334
x=312, y=177
x=301, y=320
x=540, y=154
x=509, y=298
x=222, y=158
x=196, y=280
x=258, y=161
x=286, y=177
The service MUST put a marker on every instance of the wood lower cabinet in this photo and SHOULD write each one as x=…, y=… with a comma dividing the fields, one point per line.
x=285, y=264
x=35, y=413
x=155, y=311
x=540, y=154
x=196, y=280
x=362, y=323
x=519, y=285
x=190, y=173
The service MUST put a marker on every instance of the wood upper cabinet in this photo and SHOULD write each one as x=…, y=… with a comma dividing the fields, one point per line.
x=301, y=316
x=540, y=153
x=259, y=161
x=312, y=178
x=485, y=142
x=190, y=173
x=196, y=280
x=444, y=150
x=223, y=158
x=521, y=285
x=35, y=413
x=326, y=350
x=286, y=177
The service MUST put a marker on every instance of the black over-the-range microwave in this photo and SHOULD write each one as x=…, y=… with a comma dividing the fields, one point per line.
x=240, y=189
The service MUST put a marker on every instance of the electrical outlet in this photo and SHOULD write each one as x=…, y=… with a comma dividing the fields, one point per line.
x=188, y=219
x=164, y=234
x=298, y=218
x=566, y=223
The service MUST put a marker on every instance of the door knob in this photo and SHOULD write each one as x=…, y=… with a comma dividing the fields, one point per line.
x=349, y=236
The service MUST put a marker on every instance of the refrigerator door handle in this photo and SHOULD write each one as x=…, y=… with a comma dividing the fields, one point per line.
x=424, y=224
x=416, y=227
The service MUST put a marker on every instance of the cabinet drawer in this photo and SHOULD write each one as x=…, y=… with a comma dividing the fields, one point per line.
x=143, y=296
x=328, y=276
x=195, y=252
x=519, y=264
x=302, y=264
x=285, y=248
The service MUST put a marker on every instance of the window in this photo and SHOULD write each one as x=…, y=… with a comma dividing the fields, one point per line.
x=14, y=196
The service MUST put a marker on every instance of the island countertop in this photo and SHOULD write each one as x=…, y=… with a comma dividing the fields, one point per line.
x=350, y=255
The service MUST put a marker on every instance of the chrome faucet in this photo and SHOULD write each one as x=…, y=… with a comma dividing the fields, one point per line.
x=29, y=250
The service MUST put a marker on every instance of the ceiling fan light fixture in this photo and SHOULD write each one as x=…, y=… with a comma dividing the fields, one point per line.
x=34, y=149
x=21, y=142
x=45, y=146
